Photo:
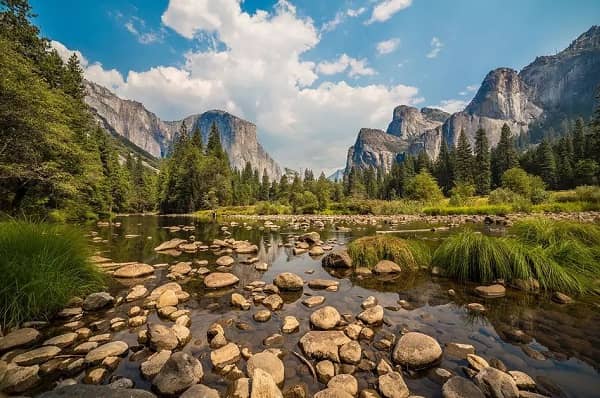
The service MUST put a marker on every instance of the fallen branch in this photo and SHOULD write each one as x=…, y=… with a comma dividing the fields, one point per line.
x=307, y=363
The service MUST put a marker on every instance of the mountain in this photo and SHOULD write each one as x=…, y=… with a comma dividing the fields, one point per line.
x=336, y=176
x=131, y=121
x=546, y=91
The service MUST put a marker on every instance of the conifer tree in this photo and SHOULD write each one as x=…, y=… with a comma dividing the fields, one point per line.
x=444, y=168
x=482, y=163
x=504, y=156
x=463, y=166
x=546, y=163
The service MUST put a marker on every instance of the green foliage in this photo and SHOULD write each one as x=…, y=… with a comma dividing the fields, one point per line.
x=545, y=232
x=42, y=266
x=529, y=186
x=498, y=210
x=482, y=163
x=472, y=256
x=267, y=208
x=504, y=156
x=423, y=187
x=461, y=194
x=369, y=250
x=463, y=163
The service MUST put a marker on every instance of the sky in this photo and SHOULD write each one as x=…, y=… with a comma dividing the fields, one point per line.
x=308, y=73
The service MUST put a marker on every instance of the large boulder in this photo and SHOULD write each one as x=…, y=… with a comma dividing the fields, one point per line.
x=337, y=259
x=323, y=344
x=86, y=390
x=495, y=383
x=178, y=374
x=325, y=318
x=19, y=338
x=459, y=387
x=417, y=351
x=288, y=281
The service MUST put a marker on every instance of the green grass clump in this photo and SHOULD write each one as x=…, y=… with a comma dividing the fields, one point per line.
x=498, y=210
x=42, y=266
x=562, y=256
x=369, y=250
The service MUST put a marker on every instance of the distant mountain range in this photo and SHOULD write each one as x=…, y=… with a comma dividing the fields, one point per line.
x=550, y=88
x=131, y=121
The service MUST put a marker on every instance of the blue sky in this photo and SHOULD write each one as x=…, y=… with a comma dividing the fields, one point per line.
x=309, y=73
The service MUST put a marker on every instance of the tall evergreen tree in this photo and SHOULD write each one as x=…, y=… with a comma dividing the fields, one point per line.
x=482, y=163
x=463, y=163
x=546, y=163
x=444, y=168
x=504, y=156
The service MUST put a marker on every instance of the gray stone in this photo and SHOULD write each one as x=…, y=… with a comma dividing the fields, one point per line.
x=459, y=387
x=495, y=383
x=179, y=373
x=325, y=318
x=97, y=301
x=417, y=351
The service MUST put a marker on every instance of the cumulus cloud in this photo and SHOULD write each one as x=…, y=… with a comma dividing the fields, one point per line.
x=355, y=67
x=66, y=53
x=258, y=72
x=386, y=9
x=436, y=47
x=452, y=105
x=388, y=46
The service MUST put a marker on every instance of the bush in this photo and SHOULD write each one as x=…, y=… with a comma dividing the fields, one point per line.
x=461, y=194
x=498, y=210
x=588, y=193
x=423, y=187
x=268, y=208
x=42, y=266
x=369, y=250
x=528, y=186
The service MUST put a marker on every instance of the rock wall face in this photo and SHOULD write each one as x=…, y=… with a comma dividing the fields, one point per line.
x=132, y=121
x=375, y=148
x=557, y=86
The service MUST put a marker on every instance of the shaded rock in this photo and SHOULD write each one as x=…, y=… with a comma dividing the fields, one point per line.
x=561, y=298
x=417, y=351
x=96, y=301
x=387, y=267
x=316, y=251
x=112, y=349
x=325, y=371
x=522, y=379
x=240, y=388
x=495, y=383
x=459, y=387
x=19, y=378
x=180, y=372
x=337, y=259
x=325, y=318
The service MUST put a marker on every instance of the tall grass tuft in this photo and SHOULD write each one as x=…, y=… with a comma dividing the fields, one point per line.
x=369, y=250
x=557, y=254
x=42, y=266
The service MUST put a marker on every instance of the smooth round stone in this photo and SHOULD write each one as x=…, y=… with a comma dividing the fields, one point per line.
x=417, y=351
x=387, y=267
x=288, y=281
x=36, y=356
x=267, y=362
x=136, y=270
x=492, y=291
x=161, y=337
x=217, y=280
x=112, y=349
x=313, y=301
x=225, y=261
x=351, y=352
x=325, y=318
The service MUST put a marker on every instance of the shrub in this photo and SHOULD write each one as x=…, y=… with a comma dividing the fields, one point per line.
x=461, y=194
x=588, y=193
x=42, y=266
x=423, y=187
x=369, y=250
x=545, y=232
x=529, y=186
x=498, y=210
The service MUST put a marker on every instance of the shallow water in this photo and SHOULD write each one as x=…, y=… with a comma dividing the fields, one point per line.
x=567, y=336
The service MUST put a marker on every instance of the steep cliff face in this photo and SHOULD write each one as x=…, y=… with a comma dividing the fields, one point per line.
x=375, y=148
x=551, y=87
x=132, y=121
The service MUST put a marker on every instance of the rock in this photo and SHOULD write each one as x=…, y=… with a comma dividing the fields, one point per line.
x=263, y=385
x=112, y=349
x=316, y=251
x=225, y=261
x=353, y=331
x=528, y=285
x=86, y=390
x=290, y=324
x=86, y=347
x=135, y=270
x=96, y=301
x=136, y=292
x=167, y=299
x=369, y=393
x=372, y=316
x=392, y=385
x=216, y=280
x=183, y=335
x=344, y=382
x=296, y=391
x=332, y=393
x=136, y=321
x=19, y=338
x=310, y=237
x=181, y=268
x=261, y=266
x=169, y=245
x=476, y=362
x=200, y=391
x=337, y=259
x=522, y=379
x=325, y=318
x=288, y=281
x=459, y=387
x=313, y=301
x=491, y=291
x=121, y=383
x=161, y=337
x=459, y=350
x=495, y=383
x=387, y=267
x=273, y=340
x=239, y=301
x=325, y=370
x=267, y=362
x=323, y=344
x=476, y=307
x=95, y=376
x=36, y=356
x=240, y=388
x=262, y=316
x=351, y=352
x=273, y=302
x=180, y=372
x=417, y=351
x=174, y=286
x=19, y=378
x=559, y=298
x=225, y=355
x=152, y=366
x=369, y=302
x=322, y=283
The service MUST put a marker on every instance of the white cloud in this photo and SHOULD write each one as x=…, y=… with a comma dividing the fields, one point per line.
x=469, y=89
x=355, y=13
x=257, y=72
x=436, y=47
x=452, y=105
x=386, y=9
x=65, y=53
x=142, y=35
x=332, y=24
x=388, y=46
x=355, y=67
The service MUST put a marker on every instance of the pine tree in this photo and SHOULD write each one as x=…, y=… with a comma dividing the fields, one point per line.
x=265, y=186
x=73, y=78
x=565, y=155
x=213, y=146
x=547, y=163
x=463, y=166
x=578, y=141
x=482, y=163
x=504, y=156
x=444, y=168
x=197, y=138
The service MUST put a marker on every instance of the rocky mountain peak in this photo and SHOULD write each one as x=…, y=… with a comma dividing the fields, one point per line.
x=588, y=40
x=408, y=121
